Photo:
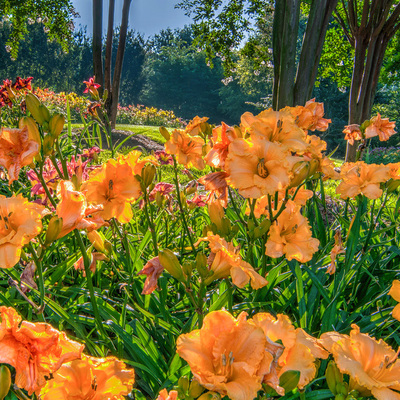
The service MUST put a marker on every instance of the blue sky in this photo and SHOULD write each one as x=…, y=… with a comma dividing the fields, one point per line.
x=146, y=16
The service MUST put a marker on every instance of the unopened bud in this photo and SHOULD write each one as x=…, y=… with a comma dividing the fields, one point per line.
x=48, y=144
x=333, y=376
x=32, y=104
x=170, y=262
x=183, y=383
x=164, y=132
x=195, y=389
x=148, y=174
x=300, y=172
x=56, y=125
x=5, y=381
x=392, y=185
x=33, y=130
x=44, y=111
x=342, y=388
x=97, y=241
x=210, y=396
x=289, y=380
x=191, y=188
x=159, y=199
x=216, y=213
x=187, y=267
x=53, y=229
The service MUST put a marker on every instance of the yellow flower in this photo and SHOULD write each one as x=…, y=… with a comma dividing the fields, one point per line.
x=227, y=355
x=276, y=126
x=395, y=293
x=291, y=235
x=226, y=261
x=360, y=178
x=20, y=221
x=90, y=379
x=35, y=350
x=381, y=127
x=373, y=366
x=74, y=210
x=258, y=167
x=292, y=350
x=17, y=149
x=114, y=186
x=188, y=150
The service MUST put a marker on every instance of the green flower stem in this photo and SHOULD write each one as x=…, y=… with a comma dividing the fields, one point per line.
x=183, y=215
x=150, y=222
x=46, y=189
x=62, y=159
x=39, y=267
x=88, y=273
x=235, y=207
x=54, y=161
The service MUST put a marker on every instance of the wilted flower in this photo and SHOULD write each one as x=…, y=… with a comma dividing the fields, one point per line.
x=292, y=350
x=90, y=379
x=188, y=150
x=225, y=260
x=373, y=366
x=227, y=355
x=290, y=235
x=381, y=127
x=395, y=293
x=74, y=210
x=20, y=221
x=361, y=178
x=35, y=350
x=352, y=132
x=17, y=149
x=216, y=183
x=153, y=270
x=336, y=250
x=257, y=167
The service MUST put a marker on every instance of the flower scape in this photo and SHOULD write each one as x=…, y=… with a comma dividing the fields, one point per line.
x=240, y=262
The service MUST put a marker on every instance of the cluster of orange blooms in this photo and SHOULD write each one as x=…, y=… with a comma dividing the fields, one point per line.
x=234, y=357
x=37, y=351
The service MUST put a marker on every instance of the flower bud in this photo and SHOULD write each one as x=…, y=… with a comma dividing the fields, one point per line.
x=159, y=199
x=392, y=185
x=187, y=267
x=44, y=111
x=32, y=104
x=195, y=389
x=342, y=388
x=289, y=380
x=210, y=396
x=301, y=172
x=5, y=381
x=183, y=383
x=48, y=144
x=97, y=241
x=33, y=130
x=148, y=174
x=53, y=230
x=56, y=125
x=169, y=261
x=164, y=132
x=216, y=213
x=340, y=396
x=191, y=188
x=333, y=376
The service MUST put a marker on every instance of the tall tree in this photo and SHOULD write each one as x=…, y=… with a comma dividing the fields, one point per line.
x=105, y=77
x=368, y=25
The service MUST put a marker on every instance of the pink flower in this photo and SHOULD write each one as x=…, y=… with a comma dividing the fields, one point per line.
x=163, y=157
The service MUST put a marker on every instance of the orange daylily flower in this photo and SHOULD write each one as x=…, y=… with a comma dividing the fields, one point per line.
x=394, y=171
x=352, y=132
x=290, y=235
x=310, y=117
x=164, y=395
x=275, y=126
x=74, y=210
x=90, y=379
x=153, y=270
x=17, y=149
x=381, y=127
x=336, y=250
x=20, y=221
x=35, y=350
x=223, y=136
x=188, y=150
x=194, y=127
x=225, y=260
x=216, y=183
x=315, y=147
x=227, y=355
x=327, y=167
x=361, y=178
x=395, y=293
x=258, y=167
x=114, y=187
x=297, y=351
x=373, y=366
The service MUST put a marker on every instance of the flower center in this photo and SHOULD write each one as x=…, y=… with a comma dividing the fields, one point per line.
x=261, y=168
x=110, y=190
x=5, y=225
x=226, y=368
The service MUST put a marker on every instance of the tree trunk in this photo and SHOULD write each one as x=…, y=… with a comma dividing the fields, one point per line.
x=118, y=63
x=284, y=38
x=108, y=58
x=97, y=41
x=313, y=42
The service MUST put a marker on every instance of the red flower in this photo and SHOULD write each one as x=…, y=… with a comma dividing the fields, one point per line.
x=91, y=87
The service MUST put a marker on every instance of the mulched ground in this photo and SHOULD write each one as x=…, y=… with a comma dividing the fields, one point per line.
x=140, y=142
